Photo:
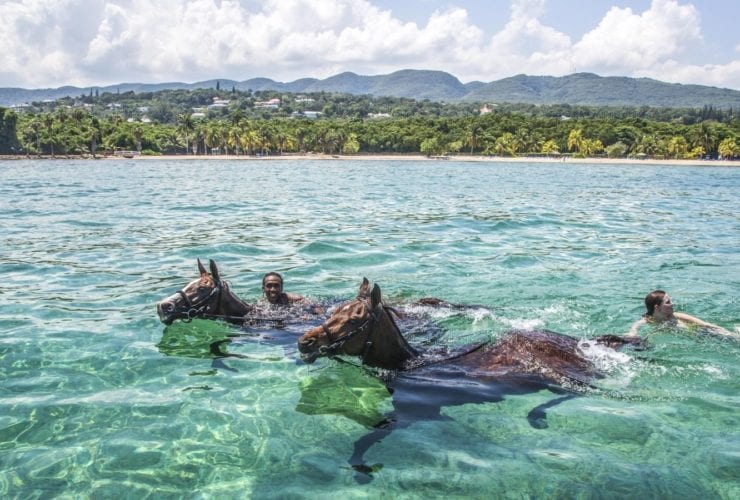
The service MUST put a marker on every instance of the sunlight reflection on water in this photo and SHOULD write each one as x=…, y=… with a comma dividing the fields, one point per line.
x=99, y=399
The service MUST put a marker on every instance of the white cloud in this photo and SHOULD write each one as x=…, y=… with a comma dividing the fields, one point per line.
x=625, y=41
x=90, y=42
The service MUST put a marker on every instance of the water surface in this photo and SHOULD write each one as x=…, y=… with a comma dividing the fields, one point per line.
x=99, y=399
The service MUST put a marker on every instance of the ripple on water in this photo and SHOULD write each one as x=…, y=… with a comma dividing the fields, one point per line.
x=100, y=399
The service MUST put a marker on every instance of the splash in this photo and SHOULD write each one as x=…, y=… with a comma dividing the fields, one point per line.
x=617, y=365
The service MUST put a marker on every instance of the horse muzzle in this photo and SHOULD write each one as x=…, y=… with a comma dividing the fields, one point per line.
x=309, y=358
x=309, y=348
x=168, y=310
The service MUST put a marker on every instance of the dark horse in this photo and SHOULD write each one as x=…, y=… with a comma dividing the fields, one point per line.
x=206, y=297
x=520, y=362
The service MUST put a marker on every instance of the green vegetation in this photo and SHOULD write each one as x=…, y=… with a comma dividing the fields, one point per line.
x=8, y=132
x=590, y=89
x=214, y=121
x=576, y=89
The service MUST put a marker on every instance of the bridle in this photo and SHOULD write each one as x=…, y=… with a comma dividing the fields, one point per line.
x=189, y=310
x=373, y=318
x=200, y=307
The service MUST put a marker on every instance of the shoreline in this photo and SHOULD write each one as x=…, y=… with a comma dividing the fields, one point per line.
x=387, y=157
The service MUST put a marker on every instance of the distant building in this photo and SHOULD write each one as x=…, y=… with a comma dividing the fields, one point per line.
x=271, y=104
x=219, y=103
x=378, y=116
x=312, y=115
x=486, y=108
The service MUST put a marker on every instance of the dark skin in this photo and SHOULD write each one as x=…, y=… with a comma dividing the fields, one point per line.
x=272, y=288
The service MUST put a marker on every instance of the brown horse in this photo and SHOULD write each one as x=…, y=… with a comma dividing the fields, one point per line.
x=206, y=297
x=519, y=362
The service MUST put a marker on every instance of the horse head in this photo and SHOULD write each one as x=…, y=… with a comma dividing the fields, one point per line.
x=196, y=299
x=361, y=327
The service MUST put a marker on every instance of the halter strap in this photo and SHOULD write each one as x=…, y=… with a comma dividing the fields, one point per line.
x=334, y=348
x=195, y=309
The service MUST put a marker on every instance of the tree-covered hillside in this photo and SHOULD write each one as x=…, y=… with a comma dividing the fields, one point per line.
x=576, y=89
x=219, y=121
x=594, y=90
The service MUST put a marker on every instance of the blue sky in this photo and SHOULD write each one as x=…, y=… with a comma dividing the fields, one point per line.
x=50, y=43
x=720, y=19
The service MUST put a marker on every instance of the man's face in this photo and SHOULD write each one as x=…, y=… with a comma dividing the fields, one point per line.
x=272, y=289
x=665, y=309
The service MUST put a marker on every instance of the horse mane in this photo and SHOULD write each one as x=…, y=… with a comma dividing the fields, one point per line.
x=391, y=313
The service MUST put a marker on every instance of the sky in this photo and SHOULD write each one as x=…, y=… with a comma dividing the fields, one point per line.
x=52, y=43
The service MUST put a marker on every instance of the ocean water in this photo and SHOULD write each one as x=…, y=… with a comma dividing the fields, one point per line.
x=99, y=399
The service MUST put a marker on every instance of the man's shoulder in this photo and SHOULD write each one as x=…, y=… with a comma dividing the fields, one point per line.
x=293, y=297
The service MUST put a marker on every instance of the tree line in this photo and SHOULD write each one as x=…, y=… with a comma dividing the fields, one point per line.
x=346, y=125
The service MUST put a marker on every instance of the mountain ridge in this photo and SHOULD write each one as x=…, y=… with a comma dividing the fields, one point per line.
x=575, y=89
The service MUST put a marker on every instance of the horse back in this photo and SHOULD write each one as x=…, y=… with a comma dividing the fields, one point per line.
x=550, y=355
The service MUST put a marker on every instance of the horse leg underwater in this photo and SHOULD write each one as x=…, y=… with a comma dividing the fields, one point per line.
x=421, y=394
x=519, y=362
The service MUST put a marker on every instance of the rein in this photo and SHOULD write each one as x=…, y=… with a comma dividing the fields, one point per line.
x=333, y=349
x=200, y=308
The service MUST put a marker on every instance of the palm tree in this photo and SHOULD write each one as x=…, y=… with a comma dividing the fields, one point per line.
x=34, y=134
x=550, y=147
x=677, y=147
x=94, y=135
x=49, y=124
x=472, y=135
x=506, y=144
x=575, y=140
x=705, y=135
x=729, y=148
x=233, y=137
x=186, y=127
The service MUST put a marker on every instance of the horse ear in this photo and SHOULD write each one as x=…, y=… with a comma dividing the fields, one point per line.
x=363, y=288
x=214, y=271
x=375, y=296
x=201, y=268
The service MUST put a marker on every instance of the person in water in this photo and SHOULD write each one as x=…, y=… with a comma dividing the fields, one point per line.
x=660, y=311
x=272, y=288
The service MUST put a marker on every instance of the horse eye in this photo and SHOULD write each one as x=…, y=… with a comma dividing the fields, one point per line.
x=202, y=289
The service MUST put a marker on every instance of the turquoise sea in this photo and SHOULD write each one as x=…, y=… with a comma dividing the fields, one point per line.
x=99, y=400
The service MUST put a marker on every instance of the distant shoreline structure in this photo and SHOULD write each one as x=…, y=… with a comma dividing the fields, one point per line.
x=387, y=157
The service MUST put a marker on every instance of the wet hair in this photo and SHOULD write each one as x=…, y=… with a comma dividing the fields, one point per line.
x=654, y=298
x=272, y=273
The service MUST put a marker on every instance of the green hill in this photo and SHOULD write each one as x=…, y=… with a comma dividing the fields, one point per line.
x=577, y=89
x=593, y=90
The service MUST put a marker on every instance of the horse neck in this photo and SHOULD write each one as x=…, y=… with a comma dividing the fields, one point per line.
x=389, y=349
x=231, y=305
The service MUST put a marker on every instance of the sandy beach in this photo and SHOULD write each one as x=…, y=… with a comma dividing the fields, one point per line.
x=398, y=157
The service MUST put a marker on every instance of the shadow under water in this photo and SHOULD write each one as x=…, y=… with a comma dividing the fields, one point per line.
x=360, y=394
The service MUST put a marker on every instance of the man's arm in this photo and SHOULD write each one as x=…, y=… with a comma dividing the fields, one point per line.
x=687, y=318
x=635, y=328
x=294, y=297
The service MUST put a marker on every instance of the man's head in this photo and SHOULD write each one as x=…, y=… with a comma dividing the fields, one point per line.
x=658, y=305
x=272, y=287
